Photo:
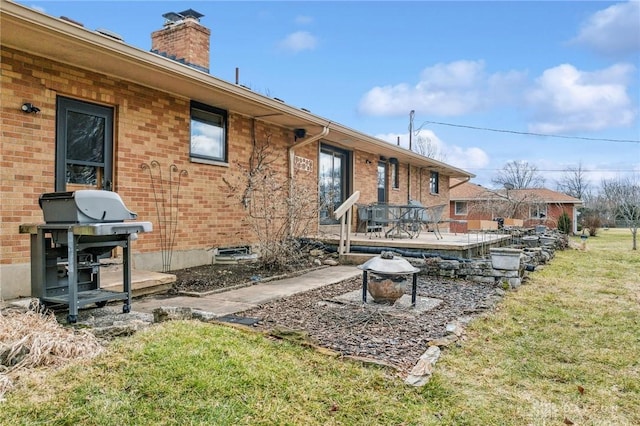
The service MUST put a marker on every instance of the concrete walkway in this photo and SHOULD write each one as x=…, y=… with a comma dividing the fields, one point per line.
x=233, y=301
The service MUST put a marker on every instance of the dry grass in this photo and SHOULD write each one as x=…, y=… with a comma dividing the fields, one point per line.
x=562, y=347
x=32, y=339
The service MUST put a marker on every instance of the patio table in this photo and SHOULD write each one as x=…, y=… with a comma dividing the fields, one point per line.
x=402, y=220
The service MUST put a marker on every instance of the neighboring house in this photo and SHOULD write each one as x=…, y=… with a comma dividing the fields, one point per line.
x=534, y=206
x=103, y=109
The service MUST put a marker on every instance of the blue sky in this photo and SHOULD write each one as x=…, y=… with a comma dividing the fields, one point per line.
x=567, y=68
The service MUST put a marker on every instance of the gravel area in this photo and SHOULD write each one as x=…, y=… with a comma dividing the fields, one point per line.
x=382, y=334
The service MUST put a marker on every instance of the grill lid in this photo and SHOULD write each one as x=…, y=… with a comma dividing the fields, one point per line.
x=84, y=206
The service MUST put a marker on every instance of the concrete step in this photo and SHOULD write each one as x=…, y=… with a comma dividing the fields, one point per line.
x=142, y=282
x=355, y=258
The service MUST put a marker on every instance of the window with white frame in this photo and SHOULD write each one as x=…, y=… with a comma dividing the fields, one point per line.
x=208, y=132
x=460, y=208
x=433, y=182
x=538, y=211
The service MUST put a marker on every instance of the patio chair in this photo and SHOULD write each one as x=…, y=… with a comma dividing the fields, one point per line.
x=362, y=211
x=380, y=218
x=369, y=219
x=429, y=216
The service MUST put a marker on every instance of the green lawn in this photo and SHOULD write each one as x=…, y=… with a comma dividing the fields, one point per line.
x=563, y=348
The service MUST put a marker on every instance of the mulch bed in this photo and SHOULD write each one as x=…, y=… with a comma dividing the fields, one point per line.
x=219, y=276
x=368, y=332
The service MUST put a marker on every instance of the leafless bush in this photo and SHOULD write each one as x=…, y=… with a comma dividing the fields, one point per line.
x=280, y=211
x=593, y=223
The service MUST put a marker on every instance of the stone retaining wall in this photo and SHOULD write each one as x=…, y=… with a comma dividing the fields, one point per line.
x=484, y=270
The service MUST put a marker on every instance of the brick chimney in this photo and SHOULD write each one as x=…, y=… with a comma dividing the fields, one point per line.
x=183, y=39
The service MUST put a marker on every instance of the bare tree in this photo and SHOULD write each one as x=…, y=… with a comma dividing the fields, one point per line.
x=519, y=175
x=425, y=146
x=624, y=195
x=512, y=204
x=574, y=182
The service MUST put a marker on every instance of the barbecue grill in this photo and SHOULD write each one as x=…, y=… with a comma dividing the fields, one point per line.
x=81, y=226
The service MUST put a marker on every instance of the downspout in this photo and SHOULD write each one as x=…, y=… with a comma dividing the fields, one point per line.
x=293, y=147
x=292, y=154
x=409, y=184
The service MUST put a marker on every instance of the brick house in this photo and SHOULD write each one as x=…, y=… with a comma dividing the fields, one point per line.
x=83, y=109
x=532, y=206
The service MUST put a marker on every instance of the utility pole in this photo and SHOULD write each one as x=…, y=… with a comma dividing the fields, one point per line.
x=411, y=114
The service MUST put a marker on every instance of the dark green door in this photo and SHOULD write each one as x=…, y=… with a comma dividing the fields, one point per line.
x=84, y=145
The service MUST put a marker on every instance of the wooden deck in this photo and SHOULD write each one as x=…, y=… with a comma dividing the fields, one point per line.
x=467, y=246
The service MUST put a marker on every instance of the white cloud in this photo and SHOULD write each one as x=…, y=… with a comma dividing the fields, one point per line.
x=612, y=31
x=565, y=99
x=299, y=41
x=467, y=158
x=463, y=158
x=451, y=89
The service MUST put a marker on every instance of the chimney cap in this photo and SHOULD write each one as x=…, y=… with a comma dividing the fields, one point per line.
x=189, y=13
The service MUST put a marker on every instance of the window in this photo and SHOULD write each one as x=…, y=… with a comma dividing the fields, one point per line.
x=208, y=132
x=433, y=182
x=460, y=207
x=538, y=211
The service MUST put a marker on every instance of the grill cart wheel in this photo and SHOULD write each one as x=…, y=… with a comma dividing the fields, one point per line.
x=72, y=319
x=126, y=308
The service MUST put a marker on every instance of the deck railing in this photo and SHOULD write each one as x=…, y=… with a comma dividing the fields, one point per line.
x=344, y=214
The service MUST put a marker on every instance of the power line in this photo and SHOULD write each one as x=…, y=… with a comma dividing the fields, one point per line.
x=560, y=170
x=531, y=133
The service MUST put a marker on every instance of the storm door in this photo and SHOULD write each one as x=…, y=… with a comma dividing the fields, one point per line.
x=84, y=146
x=333, y=181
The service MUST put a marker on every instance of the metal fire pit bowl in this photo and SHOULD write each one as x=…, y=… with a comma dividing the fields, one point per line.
x=389, y=278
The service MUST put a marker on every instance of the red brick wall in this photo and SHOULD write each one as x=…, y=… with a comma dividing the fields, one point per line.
x=366, y=183
x=149, y=125
x=554, y=211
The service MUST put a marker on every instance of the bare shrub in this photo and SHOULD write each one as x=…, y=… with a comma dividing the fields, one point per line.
x=592, y=222
x=279, y=210
x=31, y=339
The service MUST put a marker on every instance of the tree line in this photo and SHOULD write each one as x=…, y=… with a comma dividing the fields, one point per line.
x=614, y=203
